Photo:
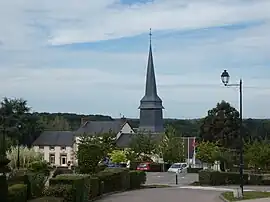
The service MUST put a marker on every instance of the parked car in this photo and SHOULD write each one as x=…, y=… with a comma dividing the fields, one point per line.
x=178, y=167
x=144, y=166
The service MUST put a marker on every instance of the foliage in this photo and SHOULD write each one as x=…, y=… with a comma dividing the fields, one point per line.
x=59, y=191
x=106, y=142
x=39, y=167
x=257, y=154
x=222, y=124
x=248, y=195
x=130, y=154
x=208, y=152
x=88, y=157
x=171, y=147
x=137, y=178
x=27, y=156
x=142, y=144
x=118, y=156
x=47, y=199
x=17, y=193
x=35, y=184
x=215, y=178
x=58, y=123
x=60, y=171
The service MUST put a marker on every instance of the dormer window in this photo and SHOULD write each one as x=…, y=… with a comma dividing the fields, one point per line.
x=41, y=147
x=51, y=147
x=63, y=148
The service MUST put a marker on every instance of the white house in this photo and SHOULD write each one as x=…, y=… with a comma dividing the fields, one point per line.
x=57, y=147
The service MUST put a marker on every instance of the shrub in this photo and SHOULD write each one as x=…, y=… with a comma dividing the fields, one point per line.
x=47, y=199
x=27, y=156
x=39, y=166
x=209, y=177
x=61, y=170
x=259, y=179
x=94, y=187
x=60, y=191
x=194, y=170
x=114, y=179
x=35, y=184
x=80, y=185
x=17, y=193
x=137, y=178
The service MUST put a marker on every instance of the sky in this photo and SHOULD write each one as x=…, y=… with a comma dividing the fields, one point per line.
x=90, y=57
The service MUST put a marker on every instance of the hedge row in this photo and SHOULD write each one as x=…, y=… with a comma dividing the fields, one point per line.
x=82, y=187
x=23, y=184
x=194, y=170
x=208, y=177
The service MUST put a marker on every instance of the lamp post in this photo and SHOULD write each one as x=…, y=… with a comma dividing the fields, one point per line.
x=18, y=146
x=225, y=77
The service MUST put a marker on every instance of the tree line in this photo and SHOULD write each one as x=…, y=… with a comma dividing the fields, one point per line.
x=22, y=125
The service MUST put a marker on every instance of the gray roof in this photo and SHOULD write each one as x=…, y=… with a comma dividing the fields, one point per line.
x=99, y=127
x=151, y=98
x=125, y=139
x=55, y=138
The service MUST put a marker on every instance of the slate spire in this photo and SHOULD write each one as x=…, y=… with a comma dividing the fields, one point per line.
x=151, y=115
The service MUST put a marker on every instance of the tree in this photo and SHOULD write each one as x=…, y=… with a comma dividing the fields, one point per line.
x=222, y=124
x=171, y=147
x=143, y=144
x=106, y=142
x=118, y=156
x=257, y=154
x=208, y=152
x=88, y=156
x=58, y=123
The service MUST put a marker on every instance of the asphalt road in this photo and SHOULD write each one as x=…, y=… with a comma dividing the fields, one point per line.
x=164, y=195
x=170, y=179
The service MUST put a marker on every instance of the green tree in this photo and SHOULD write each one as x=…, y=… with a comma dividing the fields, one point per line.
x=118, y=156
x=222, y=124
x=58, y=123
x=143, y=144
x=88, y=155
x=171, y=147
x=208, y=152
x=257, y=154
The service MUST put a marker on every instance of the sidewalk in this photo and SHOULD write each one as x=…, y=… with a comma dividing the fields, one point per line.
x=257, y=200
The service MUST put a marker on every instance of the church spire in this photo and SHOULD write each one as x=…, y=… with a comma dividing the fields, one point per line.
x=150, y=87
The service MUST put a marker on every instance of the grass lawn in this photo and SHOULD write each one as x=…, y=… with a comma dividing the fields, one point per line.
x=247, y=195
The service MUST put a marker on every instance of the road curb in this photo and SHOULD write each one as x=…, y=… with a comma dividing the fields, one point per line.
x=222, y=198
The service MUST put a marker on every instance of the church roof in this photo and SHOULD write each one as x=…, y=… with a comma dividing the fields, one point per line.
x=100, y=127
x=151, y=98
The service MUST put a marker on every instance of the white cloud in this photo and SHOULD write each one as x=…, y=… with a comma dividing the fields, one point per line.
x=86, y=81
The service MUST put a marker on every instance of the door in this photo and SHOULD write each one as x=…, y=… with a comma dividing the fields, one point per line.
x=63, y=160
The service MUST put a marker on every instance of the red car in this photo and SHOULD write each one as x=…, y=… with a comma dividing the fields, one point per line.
x=144, y=166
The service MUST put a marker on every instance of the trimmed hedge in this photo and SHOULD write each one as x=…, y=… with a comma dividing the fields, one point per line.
x=194, y=170
x=65, y=192
x=61, y=170
x=137, y=178
x=47, y=199
x=17, y=193
x=259, y=179
x=209, y=177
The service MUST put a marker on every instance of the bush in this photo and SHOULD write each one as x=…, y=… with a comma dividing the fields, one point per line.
x=60, y=191
x=194, y=170
x=62, y=170
x=35, y=184
x=40, y=167
x=209, y=177
x=94, y=187
x=259, y=179
x=47, y=199
x=113, y=179
x=17, y=193
x=80, y=185
x=137, y=178
x=155, y=167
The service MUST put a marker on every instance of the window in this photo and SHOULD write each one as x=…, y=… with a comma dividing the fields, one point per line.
x=41, y=147
x=52, y=159
x=63, y=148
x=51, y=147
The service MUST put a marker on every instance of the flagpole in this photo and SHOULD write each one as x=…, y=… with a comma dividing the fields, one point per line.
x=188, y=151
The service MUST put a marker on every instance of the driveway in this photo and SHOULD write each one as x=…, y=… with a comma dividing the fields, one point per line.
x=169, y=178
x=164, y=195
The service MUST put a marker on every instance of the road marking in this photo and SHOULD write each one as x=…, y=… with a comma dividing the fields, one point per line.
x=210, y=188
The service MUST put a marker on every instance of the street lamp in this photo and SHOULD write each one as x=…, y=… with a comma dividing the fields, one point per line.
x=225, y=77
x=18, y=146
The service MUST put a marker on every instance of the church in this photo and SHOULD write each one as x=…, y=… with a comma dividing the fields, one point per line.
x=59, y=147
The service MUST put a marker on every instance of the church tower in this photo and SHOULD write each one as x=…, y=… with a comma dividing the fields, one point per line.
x=151, y=114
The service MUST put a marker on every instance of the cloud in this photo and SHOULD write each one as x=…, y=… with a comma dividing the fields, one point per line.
x=42, y=58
